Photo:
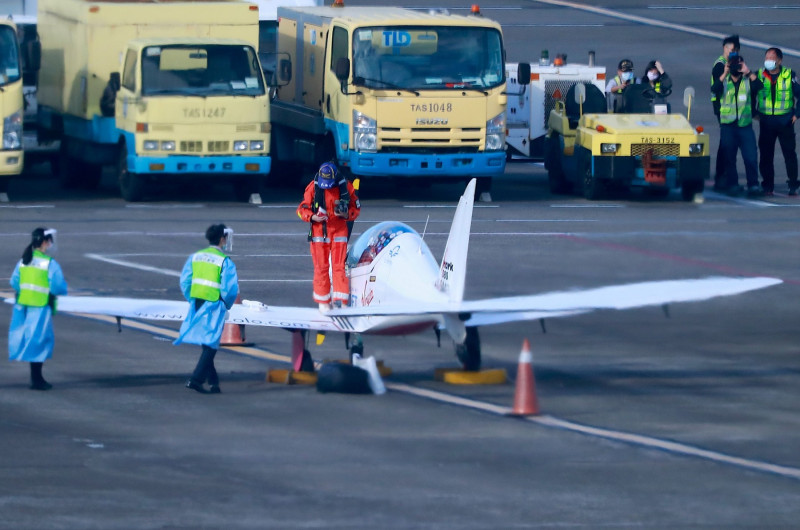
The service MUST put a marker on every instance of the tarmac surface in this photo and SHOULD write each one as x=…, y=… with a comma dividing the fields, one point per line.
x=689, y=421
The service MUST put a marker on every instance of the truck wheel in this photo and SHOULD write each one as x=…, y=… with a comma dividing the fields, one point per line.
x=131, y=185
x=691, y=188
x=552, y=161
x=592, y=186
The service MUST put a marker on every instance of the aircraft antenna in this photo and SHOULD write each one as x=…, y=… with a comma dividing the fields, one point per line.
x=426, y=226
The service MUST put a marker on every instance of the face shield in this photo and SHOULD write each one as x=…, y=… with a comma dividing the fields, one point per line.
x=228, y=240
x=50, y=234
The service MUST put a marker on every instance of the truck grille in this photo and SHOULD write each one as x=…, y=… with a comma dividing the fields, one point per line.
x=191, y=146
x=219, y=146
x=213, y=146
x=658, y=149
x=400, y=138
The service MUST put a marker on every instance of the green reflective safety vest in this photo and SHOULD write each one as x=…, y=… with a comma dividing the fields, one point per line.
x=720, y=59
x=34, y=284
x=784, y=98
x=207, y=274
x=735, y=107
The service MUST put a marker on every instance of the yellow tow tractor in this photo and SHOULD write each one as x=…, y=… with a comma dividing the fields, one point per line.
x=591, y=150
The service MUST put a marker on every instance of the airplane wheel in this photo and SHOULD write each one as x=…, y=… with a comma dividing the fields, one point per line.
x=469, y=353
x=356, y=349
x=307, y=364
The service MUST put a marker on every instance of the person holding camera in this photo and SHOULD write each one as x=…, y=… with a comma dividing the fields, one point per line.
x=621, y=81
x=730, y=45
x=733, y=92
x=777, y=93
x=329, y=204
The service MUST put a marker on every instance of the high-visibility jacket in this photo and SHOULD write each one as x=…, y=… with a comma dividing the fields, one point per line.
x=720, y=60
x=783, y=101
x=34, y=283
x=335, y=228
x=735, y=106
x=206, y=274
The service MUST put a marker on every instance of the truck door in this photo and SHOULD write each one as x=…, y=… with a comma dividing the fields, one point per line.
x=336, y=104
x=126, y=97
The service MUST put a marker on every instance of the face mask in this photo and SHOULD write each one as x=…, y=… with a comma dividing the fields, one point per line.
x=652, y=76
x=769, y=65
x=627, y=76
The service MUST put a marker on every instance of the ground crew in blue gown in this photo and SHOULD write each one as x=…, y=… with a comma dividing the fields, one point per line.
x=37, y=279
x=210, y=283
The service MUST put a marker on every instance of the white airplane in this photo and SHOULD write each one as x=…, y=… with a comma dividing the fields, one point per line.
x=397, y=288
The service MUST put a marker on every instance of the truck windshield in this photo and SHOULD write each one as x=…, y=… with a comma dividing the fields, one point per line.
x=9, y=56
x=201, y=70
x=423, y=57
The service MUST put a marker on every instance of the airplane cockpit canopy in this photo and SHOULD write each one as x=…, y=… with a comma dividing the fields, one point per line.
x=370, y=243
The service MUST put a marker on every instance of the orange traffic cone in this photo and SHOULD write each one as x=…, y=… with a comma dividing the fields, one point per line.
x=525, y=403
x=233, y=334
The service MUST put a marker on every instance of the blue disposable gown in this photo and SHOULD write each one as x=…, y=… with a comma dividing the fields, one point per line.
x=30, y=336
x=205, y=326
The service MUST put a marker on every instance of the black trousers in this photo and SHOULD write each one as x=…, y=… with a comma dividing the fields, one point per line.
x=778, y=128
x=36, y=373
x=205, y=370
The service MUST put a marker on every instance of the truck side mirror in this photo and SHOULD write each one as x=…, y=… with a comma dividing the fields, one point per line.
x=32, y=55
x=343, y=69
x=580, y=93
x=688, y=96
x=524, y=74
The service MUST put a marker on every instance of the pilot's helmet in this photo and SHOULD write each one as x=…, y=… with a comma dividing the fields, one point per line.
x=326, y=176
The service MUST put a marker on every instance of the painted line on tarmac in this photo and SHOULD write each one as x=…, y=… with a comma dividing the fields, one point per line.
x=587, y=206
x=448, y=206
x=661, y=24
x=132, y=265
x=740, y=200
x=721, y=8
x=176, y=274
x=26, y=207
x=646, y=442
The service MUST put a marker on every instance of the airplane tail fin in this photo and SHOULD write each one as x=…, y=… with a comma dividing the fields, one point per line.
x=453, y=270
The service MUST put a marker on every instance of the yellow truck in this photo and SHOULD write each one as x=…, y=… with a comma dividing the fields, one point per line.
x=390, y=92
x=161, y=90
x=11, y=157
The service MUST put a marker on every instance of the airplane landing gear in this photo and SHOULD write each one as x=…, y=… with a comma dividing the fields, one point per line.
x=301, y=357
x=356, y=346
x=469, y=353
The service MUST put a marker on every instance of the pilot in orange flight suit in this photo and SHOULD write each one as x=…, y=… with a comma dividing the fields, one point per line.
x=329, y=203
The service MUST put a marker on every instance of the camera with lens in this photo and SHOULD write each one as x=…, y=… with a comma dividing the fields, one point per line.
x=735, y=63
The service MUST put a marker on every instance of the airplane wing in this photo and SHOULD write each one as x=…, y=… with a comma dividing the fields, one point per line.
x=251, y=314
x=475, y=313
x=568, y=303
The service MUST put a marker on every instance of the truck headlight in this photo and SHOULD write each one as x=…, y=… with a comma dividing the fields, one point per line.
x=168, y=145
x=365, y=133
x=256, y=145
x=12, y=132
x=150, y=145
x=608, y=148
x=496, y=133
x=240, y=145
x=695, y=149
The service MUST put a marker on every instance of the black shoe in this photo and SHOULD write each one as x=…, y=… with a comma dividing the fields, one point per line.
x=792, y=191
x=196, y=387
x=214, y=389
x=754, y=191
x=41, y=385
